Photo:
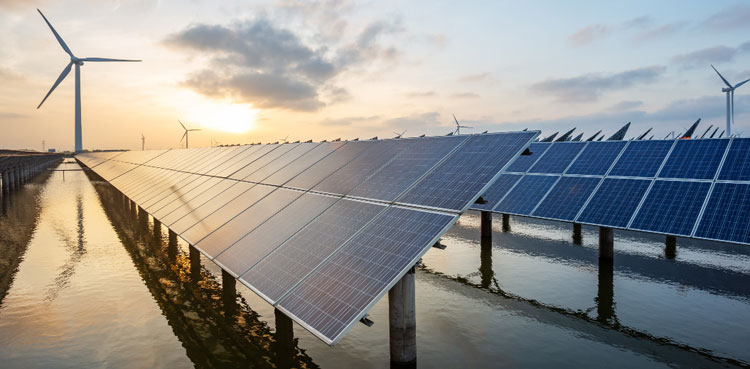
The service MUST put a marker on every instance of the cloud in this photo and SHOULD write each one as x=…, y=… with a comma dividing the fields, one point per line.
x=589, y=34
x=9, y=115
x=659, y=32
x=348, y=121
x=16, y=4
x=712, y=55
x=420, y=94
x=473, y=78
x=733, y=17
x=414, y=122
x=465, y=95
x=589, y=87
x=626, y=105
x=638, y=22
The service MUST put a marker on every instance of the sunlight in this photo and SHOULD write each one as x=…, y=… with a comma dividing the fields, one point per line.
x=222, y=115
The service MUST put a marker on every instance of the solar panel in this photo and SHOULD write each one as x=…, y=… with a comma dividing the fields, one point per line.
x=280, y=162
x=596, y=158
x=697, y=159
x=727, y=214
x=565, y=200
x=495, y=193
x=642, y=158
x=363, y=269
x=466, y=173
x=356, y=171
x=614, y=202
x=179, y=205
x=524, y=162
x=557, y=158
x=251, y=248
x=522, y=199
x=275, y=275
x=329, y=164
x=671, y=207
x=305, y=161
x=272, y=155
x=737, y=164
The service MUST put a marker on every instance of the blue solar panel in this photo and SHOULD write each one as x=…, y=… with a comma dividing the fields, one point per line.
x=697, y=159
x=495, y=193
x=557, y=157
x=356, y=171
x=642, y=158
x=614, y=202
x=566, y=198
x=737, y=164
x=457, y=181
x=524, y=162
x=596, y=158
x=727, y=215
x=527, y=193
x=671, y=207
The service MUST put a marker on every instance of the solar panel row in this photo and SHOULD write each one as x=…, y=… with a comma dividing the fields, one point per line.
x=692, y=188
x=321, y=230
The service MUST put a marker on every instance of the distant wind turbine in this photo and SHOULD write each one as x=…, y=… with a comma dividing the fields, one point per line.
x=730, y=99
x=458, y=126
x=185, y=136
x=143, y=142
x=283, y=140
x=399, y=135
x=78, y=63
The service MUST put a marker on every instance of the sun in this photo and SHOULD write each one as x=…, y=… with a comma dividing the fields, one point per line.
x=223, y=116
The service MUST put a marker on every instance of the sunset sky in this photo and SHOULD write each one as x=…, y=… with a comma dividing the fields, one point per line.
x=263, y=70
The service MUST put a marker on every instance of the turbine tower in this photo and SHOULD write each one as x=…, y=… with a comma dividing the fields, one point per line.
x=185, y=136
x=78, y=63
x=143, y=142
x=730, y=99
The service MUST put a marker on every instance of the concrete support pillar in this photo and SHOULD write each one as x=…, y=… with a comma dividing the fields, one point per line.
x=157, y=231
x=11, y=179
x=506, y=222
x=605, y=301
x=133, y=212
x=284, y=337
x=577, y=237
x=485, y=262
x=486, y=225
x=606, y=243
x=403, y=322
x=6, y=181
x=195, y=264
x=670, y=247
x=143, y=218
x=172, y=247
x=229, y=293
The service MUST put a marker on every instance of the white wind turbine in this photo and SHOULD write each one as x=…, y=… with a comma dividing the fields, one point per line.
x=143, y=142
x=458, y=126
x=78, y=63
x=730, y=99
x=185, y=136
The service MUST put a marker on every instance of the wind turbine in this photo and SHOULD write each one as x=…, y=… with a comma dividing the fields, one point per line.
x=399, y=135
x=143, y=142
x=458, y=126
x=284, y=140
x=78, y=62
x=730, y=99
x=185, y=136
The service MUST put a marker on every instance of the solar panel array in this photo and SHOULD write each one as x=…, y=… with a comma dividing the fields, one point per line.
x=319, y=230
x=691, y=188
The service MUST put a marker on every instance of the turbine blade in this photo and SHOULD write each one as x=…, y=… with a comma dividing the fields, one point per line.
x=57, y=36
x=741, y=83
x=109, y=60
x=194, y=129
x=455, y=120
x=183, y=137
x=59, y=79
x=183, y=126
x=722, y=77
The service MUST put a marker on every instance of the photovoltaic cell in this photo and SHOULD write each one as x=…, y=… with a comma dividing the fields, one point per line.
x=566, y=198
x=642, y=158
x=727, y=215
x=737, y=164
x=596, y=158
x=456, y=182
x=614, y=202
x=524, y=162
x=275, y=275
x=300, y=164
x=523, y=198
x=495, y=193
x=557, y=157
x=264, y=172
x=264, y=160
x=697, y=159
x=363, y=269
x=356, y=171
x=329, y=164
x=671, y=207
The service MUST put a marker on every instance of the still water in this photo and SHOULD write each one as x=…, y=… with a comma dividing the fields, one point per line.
x=86, y=283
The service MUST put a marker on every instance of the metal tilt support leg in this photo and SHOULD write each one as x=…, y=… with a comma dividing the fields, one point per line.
x=670, y=247
x=284, y=346
x=577, y=237
x=402, y=319
x=172, y=247
x=229, y=293
x=506, y=222
x=606, y=244
x=486, y=225
x=195, y=264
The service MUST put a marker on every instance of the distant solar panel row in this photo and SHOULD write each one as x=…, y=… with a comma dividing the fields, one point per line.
x=320, y=230
x=692, y=188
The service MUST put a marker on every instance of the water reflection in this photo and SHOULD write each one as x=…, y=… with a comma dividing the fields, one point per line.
x=485, y=263
x=76, y=249
x=215, y=325
x=605, y=294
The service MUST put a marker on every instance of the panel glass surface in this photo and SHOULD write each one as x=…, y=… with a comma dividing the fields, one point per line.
x=671, y=207
x=557, y=157
x=566, y=198
x=300, y=164
x=331, y=163
x=697, y=159
x=737, y=164
x=175, y=199
x=356, y=171
x=523, y=198
x=290, y=263
x=272, y=155
x=614, y=202
x=260, y=242
x=241, y=157
x=415, y=160
x=596, y=158
x=338, y=293
x=727, y=215
x=495, y=193
x=642, y=158
x=524, y=162
x=459, y=180
x=264, y=172
x=251, y=158
x=189, y=210
x=238, y=226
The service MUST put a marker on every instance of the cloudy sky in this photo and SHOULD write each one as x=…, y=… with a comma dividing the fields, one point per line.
x=263, y=70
